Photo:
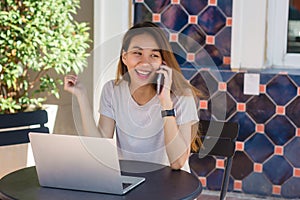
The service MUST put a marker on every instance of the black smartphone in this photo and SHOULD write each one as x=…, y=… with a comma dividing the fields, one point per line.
x=159, y=83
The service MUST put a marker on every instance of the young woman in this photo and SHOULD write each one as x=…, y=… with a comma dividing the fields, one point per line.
x=150, y=125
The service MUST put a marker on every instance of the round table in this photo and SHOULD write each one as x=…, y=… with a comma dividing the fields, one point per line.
x=161, y=183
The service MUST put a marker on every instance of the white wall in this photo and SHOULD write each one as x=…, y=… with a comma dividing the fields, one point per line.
x=111, y=19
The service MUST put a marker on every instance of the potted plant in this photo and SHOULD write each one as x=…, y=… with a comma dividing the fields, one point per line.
x=39, y=41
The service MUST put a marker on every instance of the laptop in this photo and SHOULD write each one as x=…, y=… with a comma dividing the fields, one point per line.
x=80, y=163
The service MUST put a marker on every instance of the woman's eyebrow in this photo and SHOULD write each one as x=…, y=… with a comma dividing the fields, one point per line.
x=140, y=48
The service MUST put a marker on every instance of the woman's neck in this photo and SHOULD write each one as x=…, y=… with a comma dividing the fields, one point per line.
x=142, y=94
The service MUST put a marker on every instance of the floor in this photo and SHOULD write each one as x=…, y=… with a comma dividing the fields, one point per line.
x=212, y=195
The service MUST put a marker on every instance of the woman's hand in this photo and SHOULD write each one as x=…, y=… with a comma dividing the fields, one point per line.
x=73, y=85
x=165, y=95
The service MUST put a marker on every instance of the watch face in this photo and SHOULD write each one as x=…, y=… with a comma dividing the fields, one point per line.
x=165, y=113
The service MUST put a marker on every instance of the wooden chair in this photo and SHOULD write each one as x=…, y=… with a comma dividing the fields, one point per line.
x=14, y=128
x=218, y=139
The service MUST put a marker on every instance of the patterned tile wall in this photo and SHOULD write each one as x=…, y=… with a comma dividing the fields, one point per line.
x=266, y=161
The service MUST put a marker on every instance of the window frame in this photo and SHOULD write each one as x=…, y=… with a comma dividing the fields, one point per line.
x=277, y=56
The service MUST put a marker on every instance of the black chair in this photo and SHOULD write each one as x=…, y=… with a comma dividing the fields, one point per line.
x=15, y=127
x=218, y=139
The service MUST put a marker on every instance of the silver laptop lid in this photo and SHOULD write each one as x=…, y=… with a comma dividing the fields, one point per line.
x=76, y=162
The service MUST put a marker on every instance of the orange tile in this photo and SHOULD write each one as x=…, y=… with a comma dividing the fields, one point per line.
x=229, y=21
x=241, y=107
x=298, y=91
x=258, y=167
x=210, y=39
x=226, y=60
x=175, y=1
x=203, y=104
x=222, y=86
x=280, y=110
x=296, y=172
x=156, y=17
x=190, y=57
x=203, y=181
x=193, y=19
x=220, y=164
x=276, y=189
x=173, y=37
x=283, y=73
x=262, y=89
x=237, y=185
x=298, y=132
x=239, y=146
x=278, y=150
x=212, y=2
x=139, y=1
x=260, y=128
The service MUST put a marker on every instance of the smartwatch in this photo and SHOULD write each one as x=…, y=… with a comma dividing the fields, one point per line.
x=165, y=113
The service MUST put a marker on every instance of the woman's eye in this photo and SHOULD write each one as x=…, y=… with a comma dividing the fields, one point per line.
x=137, y=53
x=155, y=56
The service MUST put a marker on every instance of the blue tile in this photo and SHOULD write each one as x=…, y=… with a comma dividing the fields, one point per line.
x=188, y=73
x=235, y=87
x=291, y=188
x=265, y=78
x=179, y=53
x=223, y=41
x=174, y=17
x=278, y=170
x=222, y=106
x=141, y=13
x=260, y=108
x=247, y=126
x=281, y=89
x=296, y=79
x=257, y=183
x=194, y=7
x=280, y=130
x=292, y=111
x=192, y=38
x=214, y=54
x=157, y=6
x=291, y=152
x=226, y=7
x=226, y=75
x=204, y=59
x=205, y=115
x=242, y=166
x=214, y=180
x=212, y=20
x=259, y=148
x=202, y=166
x=205, y=83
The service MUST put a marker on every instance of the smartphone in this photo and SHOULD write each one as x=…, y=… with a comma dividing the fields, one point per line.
x=159, y=83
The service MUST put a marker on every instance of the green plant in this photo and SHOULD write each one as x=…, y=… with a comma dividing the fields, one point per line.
x=38, y=38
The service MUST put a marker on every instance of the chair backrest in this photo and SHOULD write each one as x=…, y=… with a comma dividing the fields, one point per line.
x=218, y=139
x=14, y=128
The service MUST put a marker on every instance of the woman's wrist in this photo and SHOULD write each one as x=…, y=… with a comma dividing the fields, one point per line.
x=167, y=105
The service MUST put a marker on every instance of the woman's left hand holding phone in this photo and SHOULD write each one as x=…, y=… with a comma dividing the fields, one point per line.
x=165, y=95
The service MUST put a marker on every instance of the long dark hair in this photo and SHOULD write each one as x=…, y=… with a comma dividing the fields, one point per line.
x=180, y=86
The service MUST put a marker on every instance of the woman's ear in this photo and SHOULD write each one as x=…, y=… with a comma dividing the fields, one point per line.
x=124, y=57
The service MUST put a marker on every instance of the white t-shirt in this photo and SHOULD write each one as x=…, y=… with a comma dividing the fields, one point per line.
x=139, y=129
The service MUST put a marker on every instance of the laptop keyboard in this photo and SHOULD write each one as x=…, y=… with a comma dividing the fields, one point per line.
x=125, y=185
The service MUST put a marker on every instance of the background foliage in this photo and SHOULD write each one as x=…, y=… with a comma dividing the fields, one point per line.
x=38, y=37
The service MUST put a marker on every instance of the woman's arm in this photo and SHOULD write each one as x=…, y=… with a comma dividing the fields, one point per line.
x=177, y=141
x=177, y=138
x=75, y=87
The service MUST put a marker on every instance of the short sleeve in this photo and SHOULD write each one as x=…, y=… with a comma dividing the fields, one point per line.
x=186, y=110
x=106, y=100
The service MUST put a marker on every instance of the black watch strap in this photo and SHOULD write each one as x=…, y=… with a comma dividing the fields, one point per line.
x=165, y=113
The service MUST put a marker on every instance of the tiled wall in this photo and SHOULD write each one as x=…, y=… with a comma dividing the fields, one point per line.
x=267, y=159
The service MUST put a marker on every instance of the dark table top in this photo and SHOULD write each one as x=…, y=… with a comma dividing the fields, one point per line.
x=161, y=183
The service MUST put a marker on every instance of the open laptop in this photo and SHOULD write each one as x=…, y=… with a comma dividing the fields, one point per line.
x=80, y=163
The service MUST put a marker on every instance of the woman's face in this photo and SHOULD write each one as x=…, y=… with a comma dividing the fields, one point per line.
x=142, y=59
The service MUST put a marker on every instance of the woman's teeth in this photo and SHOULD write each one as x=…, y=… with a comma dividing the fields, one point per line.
x=144, y=73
